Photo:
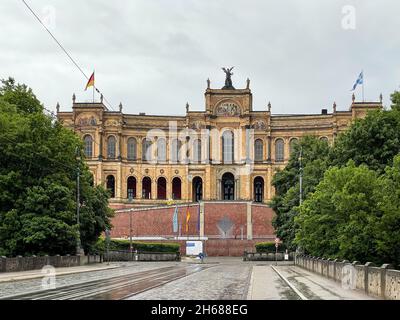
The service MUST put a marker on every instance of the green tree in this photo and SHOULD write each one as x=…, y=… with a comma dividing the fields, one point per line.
x=339, y=220
x=388, y=228
x=38, y=167
x=395, y=97
x=373, y=141
x=287, y=189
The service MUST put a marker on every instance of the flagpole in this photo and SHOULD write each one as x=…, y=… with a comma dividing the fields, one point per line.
x=93, y=87
x=363, y=85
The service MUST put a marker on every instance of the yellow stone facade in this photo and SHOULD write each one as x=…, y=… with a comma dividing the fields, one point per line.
x=227, y=113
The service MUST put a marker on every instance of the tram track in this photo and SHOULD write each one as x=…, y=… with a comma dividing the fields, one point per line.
x=116, y=288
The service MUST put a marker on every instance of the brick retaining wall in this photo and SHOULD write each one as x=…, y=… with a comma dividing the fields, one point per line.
x=251, y=224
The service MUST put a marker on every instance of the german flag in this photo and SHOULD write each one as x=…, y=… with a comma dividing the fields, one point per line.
x=90, y=82
x=187, y=219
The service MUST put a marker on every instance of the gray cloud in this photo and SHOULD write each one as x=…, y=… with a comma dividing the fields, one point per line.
x=156, y=55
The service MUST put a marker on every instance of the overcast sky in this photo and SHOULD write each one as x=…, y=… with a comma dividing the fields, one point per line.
x=156, y=55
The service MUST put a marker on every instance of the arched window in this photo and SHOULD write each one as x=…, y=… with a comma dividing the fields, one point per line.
x=258, y=189
x=293, y=144
x=227, y=147
x=146, y=188
x=176, y=189
x=131, y=187
x=132, y=149
x=258, y=150
x=197, y=189
x=176, y=150
x=161, y=188
x=88, y=141
x=161, y=150
x=146, y=150
x=111, y=147
x=228, y=186
x=197, y=150
x=111, y=186
x=279, y=150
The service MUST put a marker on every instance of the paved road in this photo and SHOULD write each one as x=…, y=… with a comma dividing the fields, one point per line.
x=294, y=283
x=217, y=279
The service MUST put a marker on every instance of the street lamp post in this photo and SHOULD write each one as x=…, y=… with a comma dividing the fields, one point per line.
x=301, y=191
x=130, y=227
x=301, y=175
x=78, y=240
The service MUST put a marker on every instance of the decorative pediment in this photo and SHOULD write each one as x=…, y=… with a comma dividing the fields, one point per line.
x=112, y=123
x=259, y=125
x=228, y=109
x=197, y=125
x=90, y=121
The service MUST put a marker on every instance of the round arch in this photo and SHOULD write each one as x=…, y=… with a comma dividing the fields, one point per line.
x=228, y=186
x=197, y=189
x=161, y=188
x=146, y=188
x=258, y=189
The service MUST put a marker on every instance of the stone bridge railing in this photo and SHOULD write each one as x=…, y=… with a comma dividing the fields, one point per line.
x=38, y=262
x=263, y=256
x=141, y=256
x=381, y=282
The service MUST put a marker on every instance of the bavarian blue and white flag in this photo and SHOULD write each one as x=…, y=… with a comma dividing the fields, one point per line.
x=360, y=80
x=175, y=220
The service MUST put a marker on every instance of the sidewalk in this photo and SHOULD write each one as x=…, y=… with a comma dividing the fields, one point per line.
x=34, y=274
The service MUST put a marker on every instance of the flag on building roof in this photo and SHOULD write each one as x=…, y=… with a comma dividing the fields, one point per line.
x=360, y=80
x=90, y=82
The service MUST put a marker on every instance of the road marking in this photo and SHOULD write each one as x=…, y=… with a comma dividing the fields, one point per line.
x=302, y=297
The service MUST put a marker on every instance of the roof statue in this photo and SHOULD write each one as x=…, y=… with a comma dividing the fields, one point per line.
x=228, y=80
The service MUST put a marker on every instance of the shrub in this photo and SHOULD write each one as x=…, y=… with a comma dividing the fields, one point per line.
x=269, y=247
x=124, y=245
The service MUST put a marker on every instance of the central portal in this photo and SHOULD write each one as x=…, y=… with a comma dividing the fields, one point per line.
x=228, y=186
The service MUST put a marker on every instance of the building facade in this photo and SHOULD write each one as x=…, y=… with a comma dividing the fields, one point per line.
x=227, y=151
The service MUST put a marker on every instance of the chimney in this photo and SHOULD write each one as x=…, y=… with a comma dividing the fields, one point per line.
x=324, y=111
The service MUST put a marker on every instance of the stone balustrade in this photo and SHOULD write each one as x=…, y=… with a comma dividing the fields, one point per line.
x=380, y=282
x=38, y=262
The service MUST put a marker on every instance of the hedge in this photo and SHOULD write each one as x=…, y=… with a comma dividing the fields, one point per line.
x=124, y=245
x=269, y=247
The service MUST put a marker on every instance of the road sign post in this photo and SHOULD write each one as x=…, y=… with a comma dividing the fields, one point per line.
x=277, y=240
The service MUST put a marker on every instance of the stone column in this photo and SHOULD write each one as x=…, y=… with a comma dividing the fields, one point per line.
x=154, y=190
x=139, y=189
x=247, y=142
x=269, y=147
x=139, y=145
x=119, y=183
x=237, y=189
x=249, y=222
x=219, y=196
x=101, y=145
x=208, y=145
x=119, y=146
x=384, y=269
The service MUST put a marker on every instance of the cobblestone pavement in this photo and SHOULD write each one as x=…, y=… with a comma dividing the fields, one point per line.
x=216, y=279
x=220, y=282
x=33, y=285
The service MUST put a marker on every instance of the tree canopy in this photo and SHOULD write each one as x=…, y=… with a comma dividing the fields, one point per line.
x=286, y=182
x=351, y=208
x=38, y=170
